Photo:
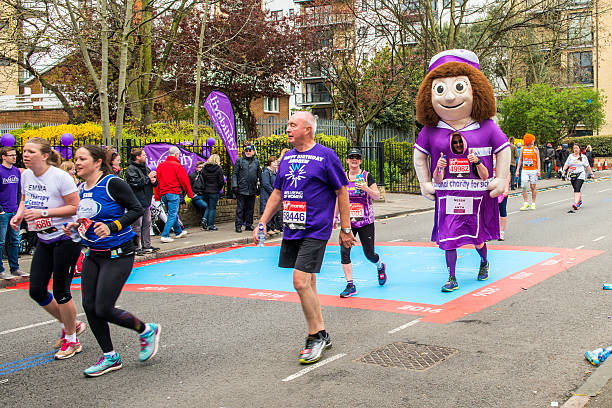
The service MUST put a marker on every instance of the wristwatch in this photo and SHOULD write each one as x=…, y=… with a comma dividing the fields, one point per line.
x=347, y=230
x=44, y=213
x=478, y=162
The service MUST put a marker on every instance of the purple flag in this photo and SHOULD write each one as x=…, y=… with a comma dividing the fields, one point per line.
x=221, y=113
x=157, y=153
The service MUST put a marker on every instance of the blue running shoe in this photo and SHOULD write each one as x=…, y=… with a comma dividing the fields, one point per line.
x=350, y=290
x=382, y=274
x=483, y=273
x=103, y=366
x=149, y=342
x=451, y=285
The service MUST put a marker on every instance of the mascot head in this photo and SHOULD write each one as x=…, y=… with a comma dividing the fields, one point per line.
x=454, y=89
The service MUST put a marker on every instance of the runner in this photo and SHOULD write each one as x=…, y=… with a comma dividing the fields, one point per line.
x=107, y=209
x=529, y=162
x=49, y=199
x=575, y=166
x=362, y=189
x=309, y=180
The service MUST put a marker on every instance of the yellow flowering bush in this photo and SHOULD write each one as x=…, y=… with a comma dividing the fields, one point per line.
x=83, y=133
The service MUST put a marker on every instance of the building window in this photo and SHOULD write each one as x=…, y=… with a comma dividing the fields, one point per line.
x=291, y=12
x=364, y=5
x=446, y=4
x=362, y=32
x=380, y=30
x=581, y=67
x=276, y=15
x=271, y=105
x=292, y=88
x=580, y=29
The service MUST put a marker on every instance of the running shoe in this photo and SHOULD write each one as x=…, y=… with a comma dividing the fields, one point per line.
x=451, y=285
x=502, y=236
x=20, y=273
x=483, y=272
x=149, y=342
x=315, y=346
x=80, y=328
x=213, y=228
x=533, y=206
x=350, y=290
x=68, y=350
x=382, y=274
x=525, y=207
x=182, y=234
x=575, y=206
x=204, y=224
x=103, y=366
x=6, y=275
x=166, y=239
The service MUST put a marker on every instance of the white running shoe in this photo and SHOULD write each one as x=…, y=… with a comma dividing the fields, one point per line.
x=525, y=206
x=502, y=235
x=533, y=207
x=166, y=239
x=182, y=234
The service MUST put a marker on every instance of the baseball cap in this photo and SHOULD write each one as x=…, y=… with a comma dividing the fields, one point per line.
x=249, y=147
x=353, y=152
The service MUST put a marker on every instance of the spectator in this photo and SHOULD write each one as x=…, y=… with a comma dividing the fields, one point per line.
x=267, y=186
x=196, y=179
x=70, y=168
x=513, y=160
x=114, y=159
x=563, y=155
x=558, y=163
x=171, y=176
x=142, y=180
x=246, y=178
x=549, y=157
x=589, y=154
x=213, y=184
x=10, y=196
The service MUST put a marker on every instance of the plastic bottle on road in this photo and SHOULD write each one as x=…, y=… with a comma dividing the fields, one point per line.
x=261, y=235
x=74, y=234
x=598, y=356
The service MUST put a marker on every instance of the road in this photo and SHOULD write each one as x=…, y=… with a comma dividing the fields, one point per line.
x=220, y=351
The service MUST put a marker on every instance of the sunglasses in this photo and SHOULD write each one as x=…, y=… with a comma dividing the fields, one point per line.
x=355, y=157
x=457, y=142
x=248, y=150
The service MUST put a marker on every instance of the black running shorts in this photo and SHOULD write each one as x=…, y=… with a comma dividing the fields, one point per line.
x=304, y=254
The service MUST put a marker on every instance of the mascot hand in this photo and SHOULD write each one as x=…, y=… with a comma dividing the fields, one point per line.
x=502, y=168
x=428, y=190
x=497, y=187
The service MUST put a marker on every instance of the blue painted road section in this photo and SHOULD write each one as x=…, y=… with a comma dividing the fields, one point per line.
x=415, y=274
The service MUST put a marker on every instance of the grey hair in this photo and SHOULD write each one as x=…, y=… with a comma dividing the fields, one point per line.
x=311, y=121
x=173, y=150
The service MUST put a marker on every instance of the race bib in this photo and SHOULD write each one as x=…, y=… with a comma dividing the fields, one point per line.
x=459, y=166
x=40, y=224
x=294, y=214
x=528, y=161
x=357, y=212
x=572, y=169
x=459, y=205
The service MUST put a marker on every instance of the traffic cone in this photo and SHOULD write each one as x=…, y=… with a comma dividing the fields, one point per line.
x=598, y=165
x=605, y=167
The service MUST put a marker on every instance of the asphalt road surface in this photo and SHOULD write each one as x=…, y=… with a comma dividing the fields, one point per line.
x=218, y=351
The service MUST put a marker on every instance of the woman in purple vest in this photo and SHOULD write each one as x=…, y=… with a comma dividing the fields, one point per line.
x=362, y=189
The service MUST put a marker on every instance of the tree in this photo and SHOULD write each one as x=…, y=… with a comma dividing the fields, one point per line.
x=245, y=54
x=550, y=113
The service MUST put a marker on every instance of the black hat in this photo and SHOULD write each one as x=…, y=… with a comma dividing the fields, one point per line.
x=354, y=152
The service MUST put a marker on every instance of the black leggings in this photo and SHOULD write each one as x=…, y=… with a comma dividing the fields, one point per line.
x=101, y=282
x=57, y=259
x=366, y=236
x=577, y=184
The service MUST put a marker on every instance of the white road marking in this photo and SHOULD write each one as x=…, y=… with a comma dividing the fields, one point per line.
x=403, y=326
x=599, y=238
x=30, y=326
x=514, y=212
x=396, y=240
x=604, y=190
x=7, y=290
x=558, y=201
x=312, y=367
x=580, y=247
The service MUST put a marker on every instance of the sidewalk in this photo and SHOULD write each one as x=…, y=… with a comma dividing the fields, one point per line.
x=198, y=240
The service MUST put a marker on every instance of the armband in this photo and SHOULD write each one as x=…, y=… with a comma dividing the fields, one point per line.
x=118, y=224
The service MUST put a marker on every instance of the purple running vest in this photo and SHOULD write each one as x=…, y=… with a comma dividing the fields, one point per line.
x=360, y=202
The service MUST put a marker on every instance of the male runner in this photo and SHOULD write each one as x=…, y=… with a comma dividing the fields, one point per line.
x=529, y=161
x=309, y=180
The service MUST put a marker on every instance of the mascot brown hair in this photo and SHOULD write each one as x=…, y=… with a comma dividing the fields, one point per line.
x=455, y=103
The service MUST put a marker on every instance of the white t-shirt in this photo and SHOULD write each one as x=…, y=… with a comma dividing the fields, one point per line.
x=577, y=165
x=48, y=191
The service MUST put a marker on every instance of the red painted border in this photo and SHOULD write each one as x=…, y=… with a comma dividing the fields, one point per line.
x=455, y=309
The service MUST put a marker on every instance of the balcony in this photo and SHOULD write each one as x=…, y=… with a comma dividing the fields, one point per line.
x=313, y=98
x=29, y=102
x=325, y=17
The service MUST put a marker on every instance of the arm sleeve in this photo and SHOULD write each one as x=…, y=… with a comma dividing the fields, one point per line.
x=66, y=184
x=121, y=192
x=499, y=140
x=235, y=173
x=184, y=180
x=370, y=179
x=422, y=142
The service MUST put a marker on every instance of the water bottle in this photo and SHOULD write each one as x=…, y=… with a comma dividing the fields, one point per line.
x=598, y=356
x=74, y=234
x=261, y=235
x=359, y=180
x=605, y=353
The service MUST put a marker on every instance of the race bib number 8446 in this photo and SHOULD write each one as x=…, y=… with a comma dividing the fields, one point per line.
x=294, y=214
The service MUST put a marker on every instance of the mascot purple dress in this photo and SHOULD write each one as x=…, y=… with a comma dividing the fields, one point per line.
x=455, y=103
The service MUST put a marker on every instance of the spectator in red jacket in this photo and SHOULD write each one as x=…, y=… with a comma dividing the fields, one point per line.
x=171, y=177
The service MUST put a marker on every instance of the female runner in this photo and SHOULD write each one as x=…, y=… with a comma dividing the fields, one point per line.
x=107, y=209
x=575, y=165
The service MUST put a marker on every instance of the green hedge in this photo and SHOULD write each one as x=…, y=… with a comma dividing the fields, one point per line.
x=602, y=145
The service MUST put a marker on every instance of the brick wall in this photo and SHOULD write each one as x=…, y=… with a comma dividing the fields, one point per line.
x=34, y=116
x=257, y=107
x=226, y=212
